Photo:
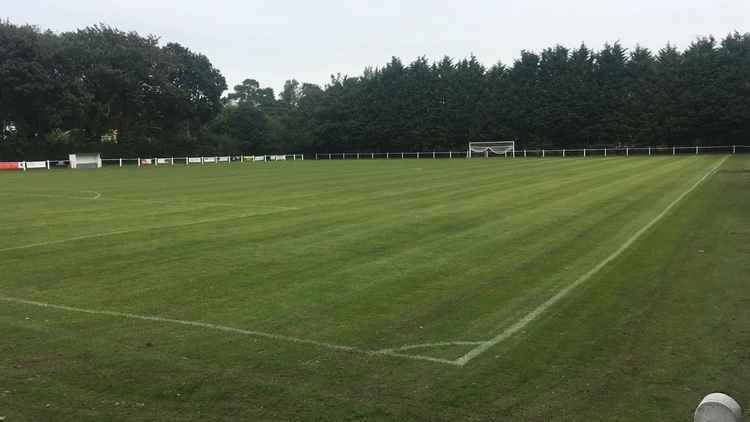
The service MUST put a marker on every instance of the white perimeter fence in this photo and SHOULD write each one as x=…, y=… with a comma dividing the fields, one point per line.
x=153, y=161
x=192, y=161
x=434, y=155
x=540, y=153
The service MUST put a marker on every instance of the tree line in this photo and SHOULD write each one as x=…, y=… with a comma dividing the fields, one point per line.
x=102, y=89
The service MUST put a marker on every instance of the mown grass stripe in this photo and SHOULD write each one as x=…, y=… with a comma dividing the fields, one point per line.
x=560, y=295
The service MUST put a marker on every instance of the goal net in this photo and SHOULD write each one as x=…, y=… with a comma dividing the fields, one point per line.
x=495, y=148
x=85, y=161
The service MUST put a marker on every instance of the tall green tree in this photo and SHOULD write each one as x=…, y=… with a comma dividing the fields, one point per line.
x=733, y=89
x=670, y=119
x=611, y=78
x=70, y=91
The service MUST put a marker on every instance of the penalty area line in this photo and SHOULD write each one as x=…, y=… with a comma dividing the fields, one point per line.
x=539, y=310
x=141, y=229
x=429, y=346
x=99, y=196
x=227, y=329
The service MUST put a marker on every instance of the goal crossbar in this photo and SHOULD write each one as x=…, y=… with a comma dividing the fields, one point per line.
x=497, y=147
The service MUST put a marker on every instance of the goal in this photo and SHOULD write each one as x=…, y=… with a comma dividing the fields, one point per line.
x=496, y=148
x=85, y=161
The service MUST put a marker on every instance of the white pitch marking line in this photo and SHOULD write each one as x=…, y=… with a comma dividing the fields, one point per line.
x=140, y=229
x=149, y=201
x=430, y=345
x=539, y=310
x=416, y=357
x=97, y=195
x=227, y=329
x=180, y=322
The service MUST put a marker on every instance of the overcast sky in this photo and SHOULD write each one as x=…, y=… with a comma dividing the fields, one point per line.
x=272, y=41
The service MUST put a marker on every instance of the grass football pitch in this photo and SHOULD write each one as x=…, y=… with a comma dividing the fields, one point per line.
x=610, y=289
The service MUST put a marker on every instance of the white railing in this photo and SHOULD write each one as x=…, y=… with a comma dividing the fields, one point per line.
x=433, y=155
x=390, y=155
x=200, y=160
x=539, y=152
x=153, y=161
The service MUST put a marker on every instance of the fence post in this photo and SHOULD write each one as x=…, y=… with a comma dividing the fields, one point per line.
x=372, y=156
x=450, y=154
x=563, y=152
x=171, y=160
x=605, y=152
x=734, y=149
x=433, y=155
x=417, y=155
x=524, y=153
x=316, y=155
x=584, y=153
x=329, y=155
x=139, y=161
x=387, y=155
x=120, y=162
x=627, y=151
x=673, y=150
x=696, y=150
x=649, y=151
x=543, y=153
x=402, y=155
x=48, y=165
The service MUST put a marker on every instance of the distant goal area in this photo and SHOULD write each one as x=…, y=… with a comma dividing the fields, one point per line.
x=485, y=149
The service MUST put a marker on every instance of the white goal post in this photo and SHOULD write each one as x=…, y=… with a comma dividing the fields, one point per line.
x=497, y=148
x=85, y=160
